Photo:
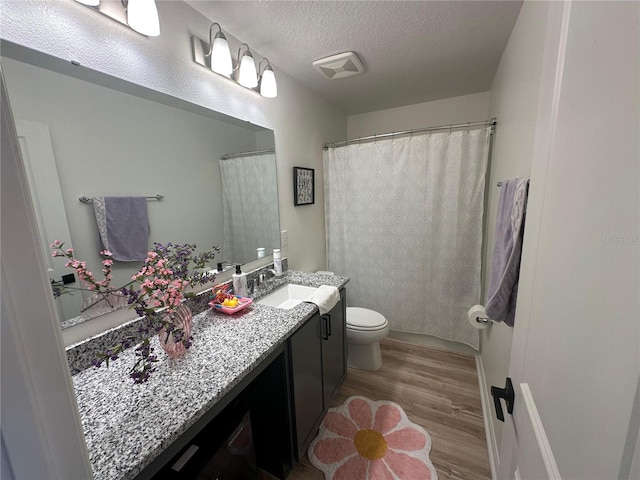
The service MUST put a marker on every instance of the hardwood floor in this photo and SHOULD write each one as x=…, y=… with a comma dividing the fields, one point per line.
x=439, y=391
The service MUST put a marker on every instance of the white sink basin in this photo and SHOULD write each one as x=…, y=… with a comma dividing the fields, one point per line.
x=288, y=296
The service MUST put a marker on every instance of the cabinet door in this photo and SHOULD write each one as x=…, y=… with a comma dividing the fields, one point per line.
x=334, y=349
x=306, y=368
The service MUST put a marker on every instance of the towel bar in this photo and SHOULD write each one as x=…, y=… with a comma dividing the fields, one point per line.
x=157, y=196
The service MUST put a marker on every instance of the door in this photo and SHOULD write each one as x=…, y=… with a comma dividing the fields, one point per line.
x=46, y=194
x=306, y=373
x=575, y=352
x=334, y=358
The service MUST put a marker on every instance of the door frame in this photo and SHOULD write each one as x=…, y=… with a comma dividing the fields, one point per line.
x=41, y=427
x=558, y=17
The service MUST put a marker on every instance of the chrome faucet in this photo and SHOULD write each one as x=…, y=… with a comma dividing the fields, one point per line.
x=263, y=277
x=253, y=284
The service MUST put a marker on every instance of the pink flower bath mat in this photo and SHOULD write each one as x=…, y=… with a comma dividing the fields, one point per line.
x=366, y=440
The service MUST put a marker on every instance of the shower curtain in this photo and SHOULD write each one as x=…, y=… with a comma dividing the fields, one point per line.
x=249, y=196
x=404, y=221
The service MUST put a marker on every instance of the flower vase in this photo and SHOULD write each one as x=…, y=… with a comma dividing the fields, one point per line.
x=100, y=304
x=182, y=320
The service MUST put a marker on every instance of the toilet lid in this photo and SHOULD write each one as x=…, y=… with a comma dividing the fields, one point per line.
x=364, y=319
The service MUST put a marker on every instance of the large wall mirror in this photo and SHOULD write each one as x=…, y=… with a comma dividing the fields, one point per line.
x=83, y=134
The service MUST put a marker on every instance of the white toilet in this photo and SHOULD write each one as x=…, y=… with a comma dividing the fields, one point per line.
x=365, y=329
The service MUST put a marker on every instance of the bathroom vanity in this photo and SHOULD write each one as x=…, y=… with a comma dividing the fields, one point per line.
x=284, y=366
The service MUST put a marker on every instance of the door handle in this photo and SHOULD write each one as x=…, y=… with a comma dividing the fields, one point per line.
x=328, y=325
x=325, y=333
x=508, y=394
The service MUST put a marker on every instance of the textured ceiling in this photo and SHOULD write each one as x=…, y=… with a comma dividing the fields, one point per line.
x=413, y=51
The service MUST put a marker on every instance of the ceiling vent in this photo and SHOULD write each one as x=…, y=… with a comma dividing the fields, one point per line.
x=342, y=65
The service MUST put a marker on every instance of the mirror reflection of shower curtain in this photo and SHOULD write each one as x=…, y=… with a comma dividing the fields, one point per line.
x=404, y=221
x=250, y=200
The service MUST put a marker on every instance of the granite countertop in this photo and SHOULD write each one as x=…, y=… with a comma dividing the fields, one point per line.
x=126, y=425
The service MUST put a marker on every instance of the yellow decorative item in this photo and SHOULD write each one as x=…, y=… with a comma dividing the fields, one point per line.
x=231, y=305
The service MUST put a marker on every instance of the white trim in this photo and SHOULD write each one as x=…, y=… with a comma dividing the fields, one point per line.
x=541, y=436
x=490, y=433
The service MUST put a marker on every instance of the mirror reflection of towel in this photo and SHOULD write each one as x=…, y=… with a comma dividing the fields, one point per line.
x=124, y=226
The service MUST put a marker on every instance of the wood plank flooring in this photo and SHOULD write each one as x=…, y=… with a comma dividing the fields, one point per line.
x=439, y=391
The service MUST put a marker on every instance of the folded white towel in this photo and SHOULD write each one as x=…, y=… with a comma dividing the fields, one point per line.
x=325, y=298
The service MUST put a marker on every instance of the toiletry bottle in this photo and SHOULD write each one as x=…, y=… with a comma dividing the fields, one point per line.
x=277, y=262
x=239, y=283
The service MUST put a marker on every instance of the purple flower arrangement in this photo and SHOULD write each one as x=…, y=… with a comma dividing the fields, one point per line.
x=155, y=292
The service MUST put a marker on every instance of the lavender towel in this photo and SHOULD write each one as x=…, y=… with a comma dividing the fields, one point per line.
x=505, y=262
x=124, y=226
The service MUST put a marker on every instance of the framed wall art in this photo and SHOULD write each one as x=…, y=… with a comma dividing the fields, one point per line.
x=303, y=186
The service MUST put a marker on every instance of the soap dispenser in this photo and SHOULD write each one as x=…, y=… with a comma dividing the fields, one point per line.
x=239, y=283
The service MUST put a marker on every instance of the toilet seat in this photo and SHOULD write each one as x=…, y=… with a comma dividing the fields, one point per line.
x=363, y=319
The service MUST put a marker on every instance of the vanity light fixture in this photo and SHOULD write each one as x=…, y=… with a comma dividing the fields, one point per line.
x=142, y=16
x=215, y=55
x=219, y=52
x=139, y=15
x=268, y=86
x=247, y=75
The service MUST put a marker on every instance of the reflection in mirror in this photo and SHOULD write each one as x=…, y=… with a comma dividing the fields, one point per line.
x=248, y=185
x=83, y=139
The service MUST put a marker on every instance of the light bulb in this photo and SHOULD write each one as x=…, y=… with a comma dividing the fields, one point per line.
x=221, y=56
x=248, y=77
x=268, y=86
x=142, y=16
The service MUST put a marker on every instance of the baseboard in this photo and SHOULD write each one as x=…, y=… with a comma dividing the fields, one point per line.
x=487, y=404
x=431, y=341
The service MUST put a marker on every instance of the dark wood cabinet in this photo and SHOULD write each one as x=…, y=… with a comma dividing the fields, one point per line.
x=318, y=367
x=306, y=369
x=334, y=350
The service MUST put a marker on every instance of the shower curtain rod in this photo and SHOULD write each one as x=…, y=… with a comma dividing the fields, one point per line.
x=493, y=122
x=246, y=154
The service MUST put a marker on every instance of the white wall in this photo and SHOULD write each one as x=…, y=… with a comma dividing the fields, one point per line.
x=514, y=100
x=466, y=108
x=302, y=121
